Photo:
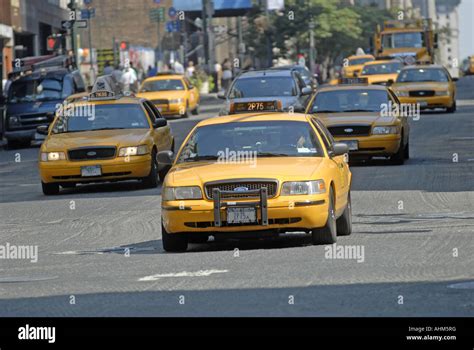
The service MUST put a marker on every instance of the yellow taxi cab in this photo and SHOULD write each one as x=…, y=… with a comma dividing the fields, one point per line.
x=353, y=65
x=172, y=94
x=429, y=86
x=368, y=118
x=383, y=72
x=256, y=174
x=103, y=137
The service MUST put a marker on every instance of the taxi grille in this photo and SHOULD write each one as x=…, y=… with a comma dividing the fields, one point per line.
x=92, y=153
x=422, y=93
x=271, y=186
x=350, y=130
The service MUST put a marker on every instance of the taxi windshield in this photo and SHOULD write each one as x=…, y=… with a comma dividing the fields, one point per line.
x=359, y=61
x=162, y=85
x=357, y=100
x=263, y=87
x=252, y=139
x=89, y=117
x=383, y=68
x=398, y=40
x=422, y=75
x=36, y=90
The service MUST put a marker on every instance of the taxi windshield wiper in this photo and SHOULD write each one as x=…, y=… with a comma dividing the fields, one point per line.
x=198, y=158
x=107, y=129
x=358, y=110
x=272, y=154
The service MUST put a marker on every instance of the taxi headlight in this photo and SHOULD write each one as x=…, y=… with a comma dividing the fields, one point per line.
x=179, y=193
x=442, y=93
x=52, y=156
x=402, y=93
x=133, y=151
x=294, y=188
x=177, y=100
x=13, y=121
x=384, y=130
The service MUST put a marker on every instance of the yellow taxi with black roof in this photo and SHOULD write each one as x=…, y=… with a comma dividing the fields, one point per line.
x=103, y=137
x=253, y=173
x=368, y=118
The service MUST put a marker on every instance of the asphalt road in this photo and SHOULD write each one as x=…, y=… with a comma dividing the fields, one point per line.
x=99, y=246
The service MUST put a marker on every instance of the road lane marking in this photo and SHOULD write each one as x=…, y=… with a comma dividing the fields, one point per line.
x=200, y=273
x=462, y=285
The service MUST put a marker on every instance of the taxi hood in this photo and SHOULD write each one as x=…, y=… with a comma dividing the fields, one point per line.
x=118, y=138
x=282, y=168
x=355, y=118
x=162, y=95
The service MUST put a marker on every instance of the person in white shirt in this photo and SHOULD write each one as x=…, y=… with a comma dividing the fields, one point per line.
x=178, y=67
x=129, y=78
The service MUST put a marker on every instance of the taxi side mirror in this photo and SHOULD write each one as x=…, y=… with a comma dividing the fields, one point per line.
x=339, y=149
x=42, y=130
x=160, y=122
x=165, y=157
x=390, y=82
x=307, y=90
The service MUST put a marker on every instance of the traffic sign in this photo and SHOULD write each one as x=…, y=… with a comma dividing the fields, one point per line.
x=67, y=24
x=157, y=15
x=172, y=12
x=82, y=23
x=173, y=26
x=87, y=13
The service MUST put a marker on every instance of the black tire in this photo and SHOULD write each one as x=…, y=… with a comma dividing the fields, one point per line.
x=151, y=181
x=344, y=223
x=407, y=150
x=162, y=173
x=328, y=233
x=15, y=144
x=50, y=189
x=174, y=242
x=452, y=109
x=68, y=185
x=195, y=111
x=201, y=239
x=399, y=157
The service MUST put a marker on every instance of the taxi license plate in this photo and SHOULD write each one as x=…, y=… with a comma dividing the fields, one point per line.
x=241, y=215
x=91, y=170
x=352, y=144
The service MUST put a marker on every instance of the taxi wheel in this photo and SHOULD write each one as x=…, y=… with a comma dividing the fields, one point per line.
x=151, y=181
x=50, y=189
x=407, y=150
x=195, y=111
x=451, y=109
x=399, y=157
x=186, y=113
x=328, y=233
x=344, y=223
x=68, y=185
x=173, y=242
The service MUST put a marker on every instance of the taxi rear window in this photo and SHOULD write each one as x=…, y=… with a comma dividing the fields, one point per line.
x=90, y=117
x=264, y=86
x=262, y=139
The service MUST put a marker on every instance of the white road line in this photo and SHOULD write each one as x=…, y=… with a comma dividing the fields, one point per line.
x=200, y=273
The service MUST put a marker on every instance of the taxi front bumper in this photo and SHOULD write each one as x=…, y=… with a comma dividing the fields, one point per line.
x=281, y=214
x=374, y=145
x=429, y=102
x=112, y=169
x=172, y=108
